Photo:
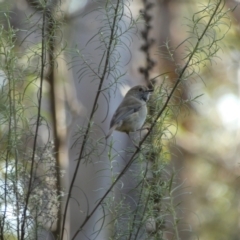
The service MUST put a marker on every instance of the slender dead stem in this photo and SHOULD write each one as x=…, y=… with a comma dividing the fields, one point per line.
x=138, y=203
x=143, y=215
x=43, y=59
x=109, y=49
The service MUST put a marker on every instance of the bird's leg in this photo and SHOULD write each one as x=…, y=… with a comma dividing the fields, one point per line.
x=145, y=128
x=142, y=133
x=133, y=142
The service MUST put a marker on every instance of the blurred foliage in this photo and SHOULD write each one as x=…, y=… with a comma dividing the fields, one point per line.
x=208, y=139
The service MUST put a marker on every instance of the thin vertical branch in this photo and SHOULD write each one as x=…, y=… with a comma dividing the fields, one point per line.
x=16, y=164
x=15, y=185
x=6, y=180
x=138, y=203
x=38, y=122
x=102, y=78
x=9, y=143
x=143, y=215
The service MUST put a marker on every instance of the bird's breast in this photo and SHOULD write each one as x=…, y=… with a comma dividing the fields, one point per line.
x=134, y=121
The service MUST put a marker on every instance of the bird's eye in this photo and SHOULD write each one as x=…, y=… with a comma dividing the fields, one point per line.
x=140, y=89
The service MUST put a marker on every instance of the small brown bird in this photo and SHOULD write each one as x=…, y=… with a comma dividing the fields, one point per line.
x=132, y=112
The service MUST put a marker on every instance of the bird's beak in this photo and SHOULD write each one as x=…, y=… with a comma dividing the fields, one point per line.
x=147, y=94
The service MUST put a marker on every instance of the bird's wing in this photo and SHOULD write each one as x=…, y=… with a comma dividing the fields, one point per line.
x=124, y=110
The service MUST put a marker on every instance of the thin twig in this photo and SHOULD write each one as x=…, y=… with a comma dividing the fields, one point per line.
x=139, y=200
x=43, y=56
